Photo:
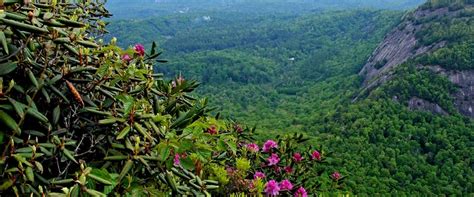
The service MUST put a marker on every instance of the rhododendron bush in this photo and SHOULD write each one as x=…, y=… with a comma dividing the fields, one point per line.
x=80, y=117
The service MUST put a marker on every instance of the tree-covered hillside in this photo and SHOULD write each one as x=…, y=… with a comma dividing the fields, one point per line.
x=269, y=60
x=287, y=72
x=139, y=9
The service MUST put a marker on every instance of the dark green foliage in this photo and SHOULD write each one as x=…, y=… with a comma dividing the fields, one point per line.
x=452, y=28
x=451, y=4
x=456, y=57
x=397, y=150
x=410, y=82
x=124, y=9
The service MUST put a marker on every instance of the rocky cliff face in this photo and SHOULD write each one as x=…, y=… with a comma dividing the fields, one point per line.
x=403, y=44
x=464, y=80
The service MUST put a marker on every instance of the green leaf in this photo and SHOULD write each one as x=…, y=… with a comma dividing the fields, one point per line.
x=56, y=114
x=24, y=27
x=124, y=132
x=3, y=39
x=165, y=152
x=9, y=121
x=125, y=169
x=18, y=107
x=32, y=77
x=187, y=163
x=108, y=121
x=69, y=155
x=29, y=174
x=102, y=70
x=6, y=184
x=36, y=114
x=7, y=68
x=127, y=102
x=232, y=146
x=185, y=144
x=101, y=176
x=95, y=193
x=153, y=48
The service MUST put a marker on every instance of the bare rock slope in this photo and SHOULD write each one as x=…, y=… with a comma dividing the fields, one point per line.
x=401, y=45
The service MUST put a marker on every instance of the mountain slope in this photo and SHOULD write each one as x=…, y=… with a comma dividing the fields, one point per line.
x=434, y=38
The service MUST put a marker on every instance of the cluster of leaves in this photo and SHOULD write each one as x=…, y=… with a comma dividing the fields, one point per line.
x=80, y=117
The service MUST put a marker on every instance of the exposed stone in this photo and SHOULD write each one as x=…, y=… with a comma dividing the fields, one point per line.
x=423, y=105
x=401, y=45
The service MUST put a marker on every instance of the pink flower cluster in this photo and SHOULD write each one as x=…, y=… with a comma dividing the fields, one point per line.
x=269, y=145
x=139, y=49
x=259, y=175
x=301, y=192
x=297, y=157
x=316, y=155
x=273, y=159
x=336, y=176
x=126, y=58
x=212, y=130
x=253, y=148
x=273, y=188
x=176, y=161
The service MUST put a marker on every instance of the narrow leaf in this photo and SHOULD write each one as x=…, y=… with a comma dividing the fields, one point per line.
x=7, y=68
x=9, y=121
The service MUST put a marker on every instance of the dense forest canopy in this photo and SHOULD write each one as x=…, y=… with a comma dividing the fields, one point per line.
x=140, y=9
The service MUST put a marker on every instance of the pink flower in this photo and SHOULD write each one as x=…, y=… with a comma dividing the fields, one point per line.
x=238, y=128
x=269, y=144
x=259, y=175
x=176, y=161
x=253, y=147
x=272, y=188
x=273, y=159
x=139, y=49
x=288, y=169
x=316, y=155
x=297, y=157
x=180, y=79
x=286, y=185
x=126, y=58
x=336, y=176
x=277, y=169
x=252, y=185
x=301, y=192
x=212, y=130
x=230, y=170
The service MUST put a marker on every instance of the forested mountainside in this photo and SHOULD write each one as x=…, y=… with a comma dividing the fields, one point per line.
x=139, y=9
x=302, y=72
x=437, y=40
x=252, y=65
